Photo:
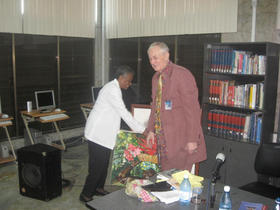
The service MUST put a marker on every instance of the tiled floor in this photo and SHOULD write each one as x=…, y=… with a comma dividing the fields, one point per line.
x=74, y=169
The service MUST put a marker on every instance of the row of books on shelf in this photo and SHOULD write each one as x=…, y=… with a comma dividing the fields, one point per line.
x=234, y=125
x=227, y=60
x=226, y=92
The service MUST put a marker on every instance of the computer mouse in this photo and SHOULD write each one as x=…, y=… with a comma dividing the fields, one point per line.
x=57, y=110
x=5, y=116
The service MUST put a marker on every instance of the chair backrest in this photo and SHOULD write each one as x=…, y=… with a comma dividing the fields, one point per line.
x=267, y=161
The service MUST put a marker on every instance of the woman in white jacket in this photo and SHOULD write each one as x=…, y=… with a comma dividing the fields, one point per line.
x=101, y=130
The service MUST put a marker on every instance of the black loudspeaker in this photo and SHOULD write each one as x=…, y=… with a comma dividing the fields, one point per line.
x=39, y=171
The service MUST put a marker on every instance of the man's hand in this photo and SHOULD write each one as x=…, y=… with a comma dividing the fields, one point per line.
x=191, y=147
x=150, y=139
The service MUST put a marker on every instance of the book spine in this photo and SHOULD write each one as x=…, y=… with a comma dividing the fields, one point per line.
x=242, y=126
x=214, y=122
x=210, y=91
x=259, y=128
x=226, y=125
x=210, y=121
x=240, y=63
x=247, y=128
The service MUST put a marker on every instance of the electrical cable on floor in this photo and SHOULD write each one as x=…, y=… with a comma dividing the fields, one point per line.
x=74, y=141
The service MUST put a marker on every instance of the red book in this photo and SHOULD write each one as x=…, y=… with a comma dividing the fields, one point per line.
x=240, y=63
x=220, y=93
x=215, y=91
x=239, y=125
x=211, y=91
x=242, y=126
x=230, y=124
x=222, y=123
x=227, y=124
x=230, y=99
x=210, y=115
x=235, y=122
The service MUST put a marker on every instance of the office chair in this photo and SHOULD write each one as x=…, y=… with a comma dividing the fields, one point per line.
x=267, y=163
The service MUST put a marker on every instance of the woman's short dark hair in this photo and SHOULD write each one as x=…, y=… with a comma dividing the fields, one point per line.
x=122, y=70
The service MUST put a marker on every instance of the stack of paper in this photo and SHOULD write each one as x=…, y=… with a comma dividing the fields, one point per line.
x=168, y=196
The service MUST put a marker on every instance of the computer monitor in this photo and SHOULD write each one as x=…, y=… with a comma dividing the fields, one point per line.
x=45, y=100
x=94, y=92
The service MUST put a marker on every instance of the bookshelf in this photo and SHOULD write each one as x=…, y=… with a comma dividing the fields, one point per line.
x=239, y=98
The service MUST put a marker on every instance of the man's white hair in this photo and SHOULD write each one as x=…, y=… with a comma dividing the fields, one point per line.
x=161, y=45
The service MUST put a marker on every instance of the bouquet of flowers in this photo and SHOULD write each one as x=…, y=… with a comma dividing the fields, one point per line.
x=133, y=158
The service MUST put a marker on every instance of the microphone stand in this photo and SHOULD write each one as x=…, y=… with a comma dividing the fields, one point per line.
x=214, y=178
x=211, y=190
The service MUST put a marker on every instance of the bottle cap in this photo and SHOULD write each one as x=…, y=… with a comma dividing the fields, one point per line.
x=186, y=176
x=226, y=188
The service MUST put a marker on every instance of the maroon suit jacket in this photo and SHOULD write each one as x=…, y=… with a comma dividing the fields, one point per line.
x=182, y=123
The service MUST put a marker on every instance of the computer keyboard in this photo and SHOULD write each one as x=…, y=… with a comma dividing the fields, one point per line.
x=53, y=117
x=5, y=122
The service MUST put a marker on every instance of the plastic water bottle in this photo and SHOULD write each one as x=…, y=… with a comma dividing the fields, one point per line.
x=277, y=204
x=185, y=191
x=225, y=202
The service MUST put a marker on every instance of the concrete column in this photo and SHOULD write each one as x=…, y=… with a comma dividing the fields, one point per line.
x=101, y=51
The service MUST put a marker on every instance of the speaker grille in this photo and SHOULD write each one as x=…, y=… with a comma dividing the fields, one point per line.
x=31, y=175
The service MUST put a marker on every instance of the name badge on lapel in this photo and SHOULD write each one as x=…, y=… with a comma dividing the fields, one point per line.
x=168, y=105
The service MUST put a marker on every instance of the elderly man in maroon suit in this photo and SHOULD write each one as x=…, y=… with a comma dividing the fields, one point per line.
x=175, y=120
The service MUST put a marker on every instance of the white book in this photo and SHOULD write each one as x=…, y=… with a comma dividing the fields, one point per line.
x=261, y=96
x=247, y=127
x=235, y=62
x=225, y=92
x=262, y=64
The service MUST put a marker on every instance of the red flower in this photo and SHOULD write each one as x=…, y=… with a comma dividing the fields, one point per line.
x=128, y=155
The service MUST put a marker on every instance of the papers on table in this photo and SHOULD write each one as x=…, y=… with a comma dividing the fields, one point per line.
x=168, y=196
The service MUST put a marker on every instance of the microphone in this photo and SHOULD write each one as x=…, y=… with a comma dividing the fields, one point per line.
x=220, y=158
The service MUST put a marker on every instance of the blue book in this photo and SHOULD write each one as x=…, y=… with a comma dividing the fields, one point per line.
x=254, y=206
x=245, y=57
x=259, y=128
x=253, y=128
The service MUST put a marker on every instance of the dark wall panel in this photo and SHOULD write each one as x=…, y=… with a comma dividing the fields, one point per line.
x=77, y=76
x=35, y=70
x=123, y=52
x=6, y=79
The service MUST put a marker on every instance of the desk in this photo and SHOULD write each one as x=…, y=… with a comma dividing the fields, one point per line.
x=35, y=116
x=86, y=108
x=118, y=200
x=4, y=126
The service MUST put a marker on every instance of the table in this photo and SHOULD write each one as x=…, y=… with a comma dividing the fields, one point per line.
x=35, y=115
x=4, y=126
x=86, y=108
x=118, y=200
